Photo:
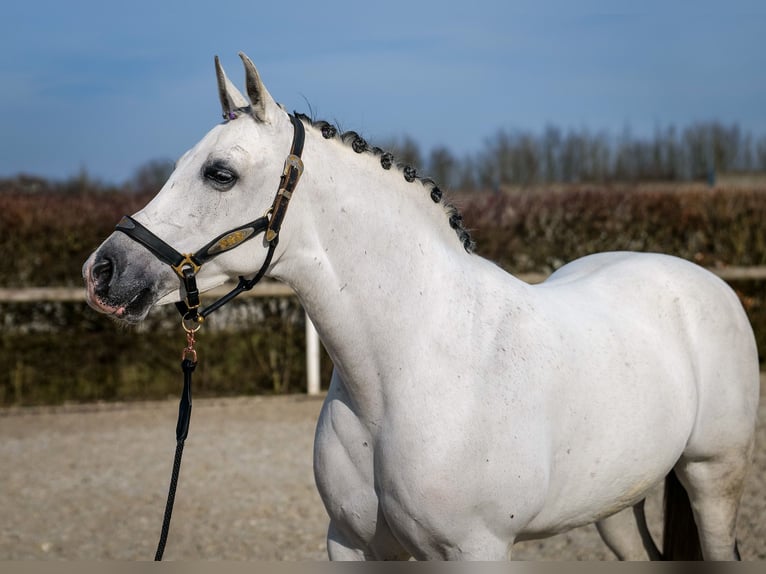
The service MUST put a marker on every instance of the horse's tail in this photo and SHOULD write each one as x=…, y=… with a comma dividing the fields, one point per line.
x=680, y=539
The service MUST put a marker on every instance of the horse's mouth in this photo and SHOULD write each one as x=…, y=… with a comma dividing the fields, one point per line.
x=134, y=311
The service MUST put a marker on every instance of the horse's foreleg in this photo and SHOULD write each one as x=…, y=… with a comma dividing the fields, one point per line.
x=343, y=470
x=381, y=546
x=627, y=534
x=339, y=548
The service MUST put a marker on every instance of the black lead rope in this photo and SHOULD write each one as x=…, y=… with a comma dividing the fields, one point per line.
x=182, y=431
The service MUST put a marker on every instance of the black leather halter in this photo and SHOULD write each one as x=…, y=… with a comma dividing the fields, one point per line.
x=187, y=265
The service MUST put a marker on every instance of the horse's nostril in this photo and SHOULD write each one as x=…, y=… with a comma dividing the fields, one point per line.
x=101, y=272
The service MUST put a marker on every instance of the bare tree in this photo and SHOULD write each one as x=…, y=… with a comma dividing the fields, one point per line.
x=442, y=167
x=151, y=176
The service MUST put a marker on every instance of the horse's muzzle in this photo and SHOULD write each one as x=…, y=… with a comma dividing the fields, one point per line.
x=122, y=280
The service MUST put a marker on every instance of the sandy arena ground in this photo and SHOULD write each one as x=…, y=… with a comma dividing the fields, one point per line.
x=89, y=482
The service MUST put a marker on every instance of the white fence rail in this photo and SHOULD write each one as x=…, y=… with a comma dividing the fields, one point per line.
x=274, y=289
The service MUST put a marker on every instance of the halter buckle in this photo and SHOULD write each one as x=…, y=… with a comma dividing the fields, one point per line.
x=291, y=174
x=293, y=162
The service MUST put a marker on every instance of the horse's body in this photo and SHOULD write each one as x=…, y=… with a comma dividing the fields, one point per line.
x=548, y=407
x=467, y=409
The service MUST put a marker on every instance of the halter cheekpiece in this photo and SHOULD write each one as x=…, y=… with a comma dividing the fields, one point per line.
x=187, y=265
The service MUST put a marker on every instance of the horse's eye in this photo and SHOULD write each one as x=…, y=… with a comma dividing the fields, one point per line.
x=222, y=177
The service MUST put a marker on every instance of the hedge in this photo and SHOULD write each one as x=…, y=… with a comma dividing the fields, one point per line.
x=52, y=353
x=58, y=352
x=541, y=230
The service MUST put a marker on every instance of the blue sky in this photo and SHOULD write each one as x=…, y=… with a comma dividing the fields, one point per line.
x=108, y=86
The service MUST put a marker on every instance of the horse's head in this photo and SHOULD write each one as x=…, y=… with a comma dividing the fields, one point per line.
x=228, y=179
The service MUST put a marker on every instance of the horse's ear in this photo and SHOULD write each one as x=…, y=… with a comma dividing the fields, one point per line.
x=231, y=98
x=261, y=101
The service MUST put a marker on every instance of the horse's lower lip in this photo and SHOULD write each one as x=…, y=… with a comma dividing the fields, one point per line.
x=103, y=307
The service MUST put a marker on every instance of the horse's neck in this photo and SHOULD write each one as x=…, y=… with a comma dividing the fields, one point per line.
x=372, y=259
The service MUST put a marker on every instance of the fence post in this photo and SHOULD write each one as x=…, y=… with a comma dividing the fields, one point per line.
x=312, y=358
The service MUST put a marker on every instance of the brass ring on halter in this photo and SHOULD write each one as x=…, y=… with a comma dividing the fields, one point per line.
x=191, y=324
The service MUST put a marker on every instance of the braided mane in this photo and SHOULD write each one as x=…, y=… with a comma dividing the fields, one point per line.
x=387, y=161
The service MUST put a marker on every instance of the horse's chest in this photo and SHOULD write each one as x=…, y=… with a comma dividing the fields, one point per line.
x=470, y=462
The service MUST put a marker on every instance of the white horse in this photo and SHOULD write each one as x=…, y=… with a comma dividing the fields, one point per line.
x=467, y=409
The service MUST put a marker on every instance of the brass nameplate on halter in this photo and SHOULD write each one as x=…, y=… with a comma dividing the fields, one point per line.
x=231, y=240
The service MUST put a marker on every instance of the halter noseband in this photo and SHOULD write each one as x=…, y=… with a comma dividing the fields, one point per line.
x=187, y=265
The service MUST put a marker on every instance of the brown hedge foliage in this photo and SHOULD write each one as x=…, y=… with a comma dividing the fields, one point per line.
x=539, y=230
x=51, y=353
x=46, y=236
x=54, y=352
